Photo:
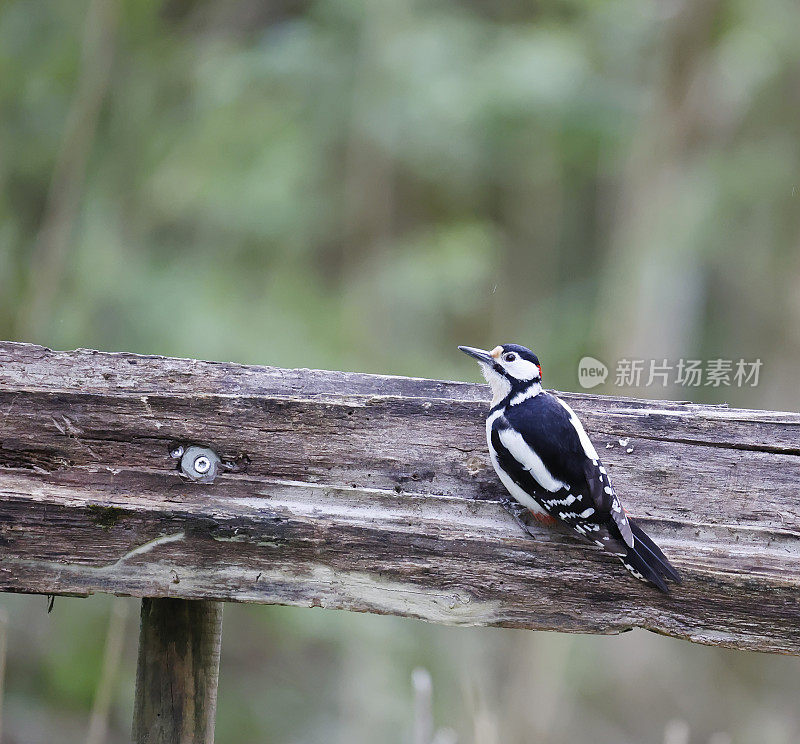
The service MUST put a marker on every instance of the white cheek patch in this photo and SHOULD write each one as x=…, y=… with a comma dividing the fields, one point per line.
x=522, y=369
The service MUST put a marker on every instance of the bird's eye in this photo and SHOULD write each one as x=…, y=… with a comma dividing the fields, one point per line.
x=510, y=357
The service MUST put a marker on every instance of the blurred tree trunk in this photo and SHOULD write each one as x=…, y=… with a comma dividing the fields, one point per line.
x=49, y=260
x=112, y=657
x=652, y=291
x=3, y=647
x=532, y=206
x=368, y=184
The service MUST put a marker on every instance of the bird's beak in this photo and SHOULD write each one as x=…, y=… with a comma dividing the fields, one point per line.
x=482, y=356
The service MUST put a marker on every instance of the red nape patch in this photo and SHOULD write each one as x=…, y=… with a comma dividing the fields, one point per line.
x=543, y=518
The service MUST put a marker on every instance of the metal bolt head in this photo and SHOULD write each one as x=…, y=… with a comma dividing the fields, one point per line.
x=200, y=464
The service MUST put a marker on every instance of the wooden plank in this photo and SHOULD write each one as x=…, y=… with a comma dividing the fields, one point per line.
x=178, y=672
x=376, y=494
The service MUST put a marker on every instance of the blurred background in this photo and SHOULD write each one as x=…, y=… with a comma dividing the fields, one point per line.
x=363, y=185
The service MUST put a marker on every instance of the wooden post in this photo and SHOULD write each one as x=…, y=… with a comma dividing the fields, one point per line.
x=176, y=680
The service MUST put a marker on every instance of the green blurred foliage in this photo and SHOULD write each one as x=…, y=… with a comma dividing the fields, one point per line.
x=312, y=183
x=364, y=185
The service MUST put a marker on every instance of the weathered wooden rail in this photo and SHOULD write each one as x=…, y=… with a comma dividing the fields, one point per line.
x=374, y=493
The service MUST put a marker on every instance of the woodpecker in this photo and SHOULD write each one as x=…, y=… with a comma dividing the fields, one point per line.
x=544, y=458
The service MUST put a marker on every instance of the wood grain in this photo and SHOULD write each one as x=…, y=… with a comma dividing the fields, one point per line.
x=178, y=672
x=375, y=493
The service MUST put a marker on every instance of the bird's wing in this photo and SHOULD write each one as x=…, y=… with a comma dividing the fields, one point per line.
x=549, y=461
x=545, y=448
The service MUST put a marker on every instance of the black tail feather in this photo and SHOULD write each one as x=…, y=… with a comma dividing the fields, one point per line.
x=646, y=561
x=659, y=560
x=641, y=569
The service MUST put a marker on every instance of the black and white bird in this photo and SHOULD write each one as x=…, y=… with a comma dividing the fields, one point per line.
x=547, y=463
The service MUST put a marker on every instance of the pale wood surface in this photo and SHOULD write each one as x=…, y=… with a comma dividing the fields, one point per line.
x=375, y=493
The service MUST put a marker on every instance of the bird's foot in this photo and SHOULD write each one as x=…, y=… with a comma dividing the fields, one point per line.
x=518, y=512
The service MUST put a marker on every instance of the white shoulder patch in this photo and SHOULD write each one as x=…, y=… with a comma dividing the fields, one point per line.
x=586, y=443
x=514, y=442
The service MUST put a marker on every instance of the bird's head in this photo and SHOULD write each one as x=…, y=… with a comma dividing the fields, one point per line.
x=507, y=367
